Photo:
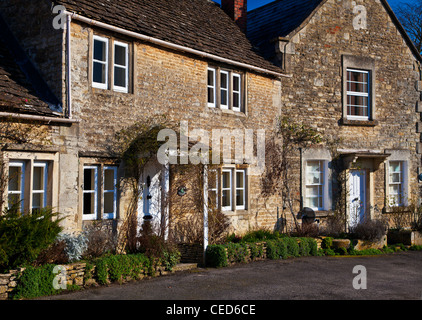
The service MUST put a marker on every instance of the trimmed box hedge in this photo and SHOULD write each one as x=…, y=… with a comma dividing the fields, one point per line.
x=221, y=255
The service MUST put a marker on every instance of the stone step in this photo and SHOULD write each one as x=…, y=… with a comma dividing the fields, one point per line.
x=185, y=267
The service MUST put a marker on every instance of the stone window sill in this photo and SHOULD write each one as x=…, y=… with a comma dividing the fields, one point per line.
x=358, y=123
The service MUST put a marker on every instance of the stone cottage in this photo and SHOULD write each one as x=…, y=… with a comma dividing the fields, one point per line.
x=356, y=79
x=113, y=64
x=345, y=68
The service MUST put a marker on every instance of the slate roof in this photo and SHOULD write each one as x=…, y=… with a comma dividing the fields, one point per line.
x=16, y=92
x=198, y=24
x=281, y=18
x=278, y=19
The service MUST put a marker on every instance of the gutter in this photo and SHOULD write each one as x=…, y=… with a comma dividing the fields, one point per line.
x=173, y=46
x=36, y=118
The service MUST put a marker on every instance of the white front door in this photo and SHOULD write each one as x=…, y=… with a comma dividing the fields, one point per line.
x=357, y=198
x=149, y=205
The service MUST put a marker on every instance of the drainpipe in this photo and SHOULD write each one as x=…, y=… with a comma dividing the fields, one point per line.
x=68, y=67
x=205, y=197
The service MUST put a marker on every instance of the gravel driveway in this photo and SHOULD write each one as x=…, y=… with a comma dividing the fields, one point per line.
x=395, y=276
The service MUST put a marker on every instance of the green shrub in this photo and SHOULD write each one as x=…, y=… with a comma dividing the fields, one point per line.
x=341, y=251
x=327, y=243
x=117, y=268
x=256, y=250
x=24, y=236
x=237, y=252
x=260, y=235
x=272, y=250
x=415, y=247
x=216, y=256
x=292, y=247
x=35, y=282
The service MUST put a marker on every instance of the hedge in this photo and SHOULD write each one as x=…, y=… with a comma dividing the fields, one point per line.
x=281, y=248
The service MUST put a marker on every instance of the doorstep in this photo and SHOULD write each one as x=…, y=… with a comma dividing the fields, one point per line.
x=184, y=267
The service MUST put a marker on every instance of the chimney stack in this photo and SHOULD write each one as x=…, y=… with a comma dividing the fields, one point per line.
x=237, y=10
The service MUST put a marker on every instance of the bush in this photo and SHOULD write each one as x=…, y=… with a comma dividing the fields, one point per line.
x=216, y=256
x=35, y=282
x=260, y=235
x=370, y=230
x=237, y=252
x=76, y=245
x=117, y=268
x=292, y=247
x=308, y=247
x=327, y=243
x=256, y=250
x=24, y=236
x=272, y=250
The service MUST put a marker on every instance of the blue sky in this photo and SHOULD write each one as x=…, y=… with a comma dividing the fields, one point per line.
x=252, y=4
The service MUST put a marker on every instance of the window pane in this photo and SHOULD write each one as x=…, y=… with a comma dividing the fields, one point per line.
x=15, y=178
x=100, y=50
x=312, y=191
x=120, y=77
x=226, y=198
x=109, y=202
x=99, y=75
x=89, y=203
x=211, y=78
x=239, y=197
x=13, y=199
x=89, y=179
x=224, y=80
x=313, y=202
x=120, y=55
x=109, y=178
x=37, y=200
x=236, y=100
x=236, y=83
x=395, y=166
x=239, y=179
x=226, y=179
x=38, y=178
x=210, y=95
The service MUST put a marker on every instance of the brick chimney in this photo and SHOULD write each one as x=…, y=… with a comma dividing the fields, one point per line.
x=237, y=10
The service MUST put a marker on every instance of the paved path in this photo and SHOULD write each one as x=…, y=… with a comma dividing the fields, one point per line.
x=395, y=276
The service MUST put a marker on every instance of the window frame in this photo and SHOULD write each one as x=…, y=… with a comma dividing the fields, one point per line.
x=44, y=165
x=359, y=94
x=17, y=164
x=403, y=183
x=236, y=188
x=100, y=85
x=93, y=215
x=109, y=215
x=239, y=92
x=126, y=67
x=213, y=87
x=227, y=90
x=321, y=186
x=360, y=63
x=28, y=162
x=230, y=189
x=218, y=90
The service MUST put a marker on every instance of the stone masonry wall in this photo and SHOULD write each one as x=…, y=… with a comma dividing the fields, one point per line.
x=164, y=82
x=313, y=95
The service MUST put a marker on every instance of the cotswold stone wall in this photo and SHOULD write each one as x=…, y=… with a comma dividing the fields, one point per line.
x=314, y=95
